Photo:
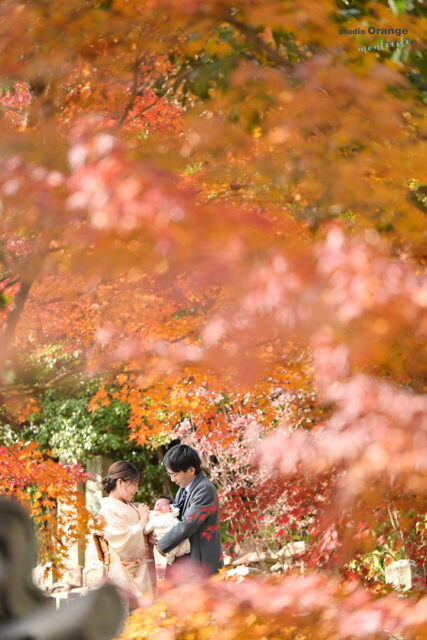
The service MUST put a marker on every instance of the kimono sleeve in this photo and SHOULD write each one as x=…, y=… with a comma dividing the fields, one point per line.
x=126, y=539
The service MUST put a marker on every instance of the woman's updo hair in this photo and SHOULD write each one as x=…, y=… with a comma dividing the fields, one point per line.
x=122, y=470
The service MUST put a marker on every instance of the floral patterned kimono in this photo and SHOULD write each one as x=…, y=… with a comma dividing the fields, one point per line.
x=128, y=569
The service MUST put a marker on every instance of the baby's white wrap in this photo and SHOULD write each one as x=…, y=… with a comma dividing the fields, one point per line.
x=161, y=523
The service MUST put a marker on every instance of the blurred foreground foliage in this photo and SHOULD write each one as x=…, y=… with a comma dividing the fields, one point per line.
x=219, y=206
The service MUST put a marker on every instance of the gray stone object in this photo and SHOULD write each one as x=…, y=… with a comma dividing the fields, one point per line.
x=25, y=613
x=400, y=574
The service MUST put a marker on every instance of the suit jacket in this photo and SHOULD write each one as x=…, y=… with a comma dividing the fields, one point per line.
x=200, y=523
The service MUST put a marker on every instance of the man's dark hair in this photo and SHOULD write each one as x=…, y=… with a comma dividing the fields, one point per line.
x=181, y=457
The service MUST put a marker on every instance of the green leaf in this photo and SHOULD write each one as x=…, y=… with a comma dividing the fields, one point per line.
x=397, y=6
x=4, y=300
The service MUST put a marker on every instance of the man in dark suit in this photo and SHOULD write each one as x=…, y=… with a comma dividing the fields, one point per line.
x=197, y=500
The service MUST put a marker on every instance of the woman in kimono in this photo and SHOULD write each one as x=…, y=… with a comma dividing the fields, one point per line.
x=123, y=526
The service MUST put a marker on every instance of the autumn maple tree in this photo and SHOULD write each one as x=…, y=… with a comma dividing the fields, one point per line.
x=217, y=207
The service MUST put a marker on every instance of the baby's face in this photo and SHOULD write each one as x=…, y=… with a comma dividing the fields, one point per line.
x=163, y=505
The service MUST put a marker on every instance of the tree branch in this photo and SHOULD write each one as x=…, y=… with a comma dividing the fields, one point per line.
x=6, y=416
x=133, y=97
x=259, y=43
x=17, y=307
x=149, y=106
x=394, y=519
x=14, y=313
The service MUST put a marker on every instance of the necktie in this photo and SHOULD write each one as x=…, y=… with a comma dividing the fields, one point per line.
x=180, y=503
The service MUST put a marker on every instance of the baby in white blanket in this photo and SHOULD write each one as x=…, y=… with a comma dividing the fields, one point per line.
x=161, y=520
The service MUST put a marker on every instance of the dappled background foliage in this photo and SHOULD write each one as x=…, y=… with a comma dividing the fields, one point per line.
x=214, y=211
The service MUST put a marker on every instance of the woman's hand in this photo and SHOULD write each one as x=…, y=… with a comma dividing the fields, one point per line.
x=143, y=511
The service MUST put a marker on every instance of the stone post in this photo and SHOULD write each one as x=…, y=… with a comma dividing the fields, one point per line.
x=25, y=613
x=400, y=574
